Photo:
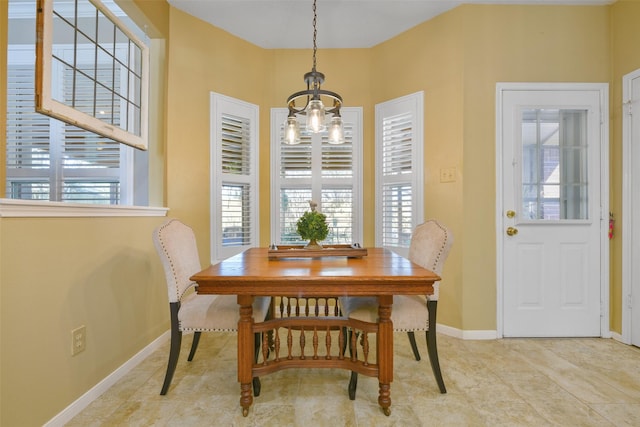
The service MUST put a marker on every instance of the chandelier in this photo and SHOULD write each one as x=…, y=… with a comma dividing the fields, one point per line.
x=317, y=114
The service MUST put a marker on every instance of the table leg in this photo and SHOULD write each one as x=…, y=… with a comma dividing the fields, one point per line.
x=385, y=352
x=245, y=351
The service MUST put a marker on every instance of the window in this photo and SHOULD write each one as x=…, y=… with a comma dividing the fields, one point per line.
x=399, y=165
x=92, y=70
x=554, y=164
x=330, y=175
x=47, y=159
x=234, y=175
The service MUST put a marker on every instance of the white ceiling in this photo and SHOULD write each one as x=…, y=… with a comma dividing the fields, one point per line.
x=287, y=24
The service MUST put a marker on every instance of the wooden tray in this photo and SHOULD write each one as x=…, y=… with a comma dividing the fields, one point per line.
x=295, y=251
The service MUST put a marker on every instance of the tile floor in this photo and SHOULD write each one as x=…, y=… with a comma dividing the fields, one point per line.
x=508, y=382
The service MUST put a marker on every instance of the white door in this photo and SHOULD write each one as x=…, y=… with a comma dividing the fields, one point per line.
x=630, y=208
x=550, y=223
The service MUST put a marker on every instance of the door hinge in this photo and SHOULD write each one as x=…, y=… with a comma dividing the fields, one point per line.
x=629, y=105
x=629, y=302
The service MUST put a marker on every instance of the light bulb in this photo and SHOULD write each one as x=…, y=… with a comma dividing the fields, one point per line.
x=336, y=131
x=315, y=116
x=291, y=131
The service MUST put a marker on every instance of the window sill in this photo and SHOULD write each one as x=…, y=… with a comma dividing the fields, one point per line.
x=13, y=208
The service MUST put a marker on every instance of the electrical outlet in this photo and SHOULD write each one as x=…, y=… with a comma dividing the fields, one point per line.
x=448, y=175
x=78, y=340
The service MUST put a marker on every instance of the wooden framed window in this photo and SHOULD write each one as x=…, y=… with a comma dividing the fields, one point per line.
x=91, y=70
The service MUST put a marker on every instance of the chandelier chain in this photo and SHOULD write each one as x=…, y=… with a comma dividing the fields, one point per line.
x=315, y=32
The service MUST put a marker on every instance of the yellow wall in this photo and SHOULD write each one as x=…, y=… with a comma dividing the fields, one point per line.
x=202, y=59
x=457, y=59
x=429, y=58
x=512, y=44
x=59, y=273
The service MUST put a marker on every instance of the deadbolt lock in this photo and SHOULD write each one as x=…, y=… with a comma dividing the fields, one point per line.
x=511, y=214
x=512, y=231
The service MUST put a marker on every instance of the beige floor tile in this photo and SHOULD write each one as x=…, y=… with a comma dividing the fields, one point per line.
x=569, y=411
x=141, y=413
x=370, y=414
x=511, y=414
x=620, y=414
x=448, y=410
x=507, y=382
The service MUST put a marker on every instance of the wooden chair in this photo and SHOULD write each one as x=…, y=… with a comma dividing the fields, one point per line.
x=176, y=245
x=429, y=248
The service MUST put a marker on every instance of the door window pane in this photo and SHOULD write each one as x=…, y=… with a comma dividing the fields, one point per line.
x=554, y=164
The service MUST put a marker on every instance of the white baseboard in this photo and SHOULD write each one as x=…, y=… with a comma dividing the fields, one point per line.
x=467, y=335
x=83, y=401
x=492, y=335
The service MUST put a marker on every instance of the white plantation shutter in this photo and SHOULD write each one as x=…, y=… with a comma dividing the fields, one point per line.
x=51, y=160
x=316, y=170
x=295, y=160
x=399, y=165
x=28, y=156
x=234, y=162
x=397, y=214
x=235, y=146
x=337, y=190
x=84, y=151
x=397, y=144
x=235, y=152
x=337, y=160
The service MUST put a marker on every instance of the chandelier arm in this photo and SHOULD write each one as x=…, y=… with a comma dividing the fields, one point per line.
x=337, y=100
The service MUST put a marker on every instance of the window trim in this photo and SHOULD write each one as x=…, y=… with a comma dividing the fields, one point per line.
x=413, y=103
x=220, y=104
x=19, y=208
x=45, y=103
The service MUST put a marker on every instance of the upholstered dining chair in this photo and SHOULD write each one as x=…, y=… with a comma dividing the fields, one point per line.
x=429, y=248
x=175, y=243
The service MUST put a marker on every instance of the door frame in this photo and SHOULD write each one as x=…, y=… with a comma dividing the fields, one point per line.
x=630, y=224
x=603, y=89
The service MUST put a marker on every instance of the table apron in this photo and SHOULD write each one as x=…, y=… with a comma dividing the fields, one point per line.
x=316, y=291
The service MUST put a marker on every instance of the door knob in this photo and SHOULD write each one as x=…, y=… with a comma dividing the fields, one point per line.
x=512, y=231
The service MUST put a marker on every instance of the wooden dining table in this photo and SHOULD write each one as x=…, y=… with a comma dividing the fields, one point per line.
x=380, y=273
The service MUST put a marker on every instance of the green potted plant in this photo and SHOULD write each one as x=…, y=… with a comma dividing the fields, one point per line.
x=312, y=226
